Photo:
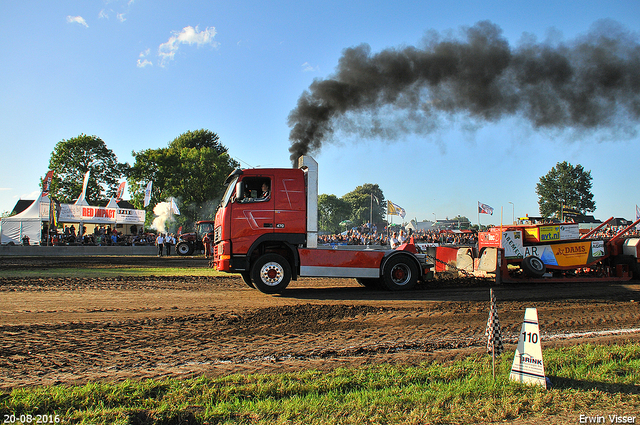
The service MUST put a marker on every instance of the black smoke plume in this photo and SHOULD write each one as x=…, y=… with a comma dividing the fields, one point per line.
x=590, y=83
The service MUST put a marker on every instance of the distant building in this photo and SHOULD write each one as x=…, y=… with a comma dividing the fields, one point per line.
x=420, y=225
x=445, y=224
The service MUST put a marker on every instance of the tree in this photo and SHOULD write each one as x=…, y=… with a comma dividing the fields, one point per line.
x=462, y=221
x=331, y=211
x=71, y=159
x=365, y=208
x=565, y=185
x=192, y=169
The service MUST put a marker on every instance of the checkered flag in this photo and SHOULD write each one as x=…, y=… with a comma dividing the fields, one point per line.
x=494, y=343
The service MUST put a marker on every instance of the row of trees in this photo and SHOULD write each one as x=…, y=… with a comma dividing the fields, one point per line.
x=363, y=205
x=193, y=166
x=192, y=169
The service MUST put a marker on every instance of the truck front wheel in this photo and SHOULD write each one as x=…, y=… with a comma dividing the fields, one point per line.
x=271, y=273
x=400, y=273
x=184, y=248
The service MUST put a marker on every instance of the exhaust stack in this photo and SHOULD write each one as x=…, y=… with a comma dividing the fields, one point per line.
x=310, y=168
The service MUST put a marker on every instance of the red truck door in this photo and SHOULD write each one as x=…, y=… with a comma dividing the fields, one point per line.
x=252, y=216
x=290, y=202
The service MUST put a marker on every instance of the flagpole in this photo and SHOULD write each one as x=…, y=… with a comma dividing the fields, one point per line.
x=370, y=211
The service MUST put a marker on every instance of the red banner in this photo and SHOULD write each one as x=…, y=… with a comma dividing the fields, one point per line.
x=46, y=183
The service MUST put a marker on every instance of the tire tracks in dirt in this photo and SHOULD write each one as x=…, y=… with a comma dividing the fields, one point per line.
x=132, y=328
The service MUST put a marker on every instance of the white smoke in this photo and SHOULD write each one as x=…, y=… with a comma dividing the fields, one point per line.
x=164, y=214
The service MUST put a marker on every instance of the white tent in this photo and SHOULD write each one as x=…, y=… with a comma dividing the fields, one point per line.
x=27, y=223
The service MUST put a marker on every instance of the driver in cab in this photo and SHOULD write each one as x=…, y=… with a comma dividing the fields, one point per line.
x=262, y=195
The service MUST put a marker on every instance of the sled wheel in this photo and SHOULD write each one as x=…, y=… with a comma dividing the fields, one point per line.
x=532, y=266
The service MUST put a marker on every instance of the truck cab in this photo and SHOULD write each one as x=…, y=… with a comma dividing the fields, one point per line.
x=266, y=229
x=250, y=222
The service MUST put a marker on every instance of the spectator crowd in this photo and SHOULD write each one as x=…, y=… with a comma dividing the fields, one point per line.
x=363, y=235
x=101, y=236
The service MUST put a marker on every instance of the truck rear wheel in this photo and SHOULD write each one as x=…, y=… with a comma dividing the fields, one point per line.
x=532, y=266
x=271, y=273
x=184, y=248
x=400, y=273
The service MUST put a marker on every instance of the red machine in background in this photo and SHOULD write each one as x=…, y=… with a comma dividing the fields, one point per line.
x=188, y=243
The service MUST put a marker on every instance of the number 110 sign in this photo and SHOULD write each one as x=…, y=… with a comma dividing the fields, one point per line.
x=528, y=366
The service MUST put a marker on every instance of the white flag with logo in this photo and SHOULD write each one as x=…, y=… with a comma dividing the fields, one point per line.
x=147, y=195
x=82, y=199
x=174, y=207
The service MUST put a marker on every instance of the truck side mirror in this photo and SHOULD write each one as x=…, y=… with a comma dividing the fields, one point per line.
x=239, y=191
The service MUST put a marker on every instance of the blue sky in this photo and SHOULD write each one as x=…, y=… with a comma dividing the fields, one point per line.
x=139, y=73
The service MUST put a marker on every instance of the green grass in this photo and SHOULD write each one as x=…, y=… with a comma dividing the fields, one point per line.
x=587, y=378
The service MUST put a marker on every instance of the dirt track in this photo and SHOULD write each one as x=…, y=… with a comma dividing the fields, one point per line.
x=77, y=330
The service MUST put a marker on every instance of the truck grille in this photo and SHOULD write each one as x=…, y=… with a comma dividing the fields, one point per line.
x=217, y=234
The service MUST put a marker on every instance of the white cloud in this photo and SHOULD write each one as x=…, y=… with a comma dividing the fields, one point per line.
x=5, y=188
x=103, y=14
x=306, y=67
x=188, y=35
x=78, y=20
x=143, y=61
x=121, y=17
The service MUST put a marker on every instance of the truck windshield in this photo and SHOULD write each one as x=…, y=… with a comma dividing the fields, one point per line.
x=227, y=193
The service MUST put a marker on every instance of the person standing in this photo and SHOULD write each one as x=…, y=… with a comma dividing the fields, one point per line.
x=160, y=243
x=168, y=241
x=393, y=241
x=206, y=242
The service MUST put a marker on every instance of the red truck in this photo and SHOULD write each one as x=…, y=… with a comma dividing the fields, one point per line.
x=270, y=236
